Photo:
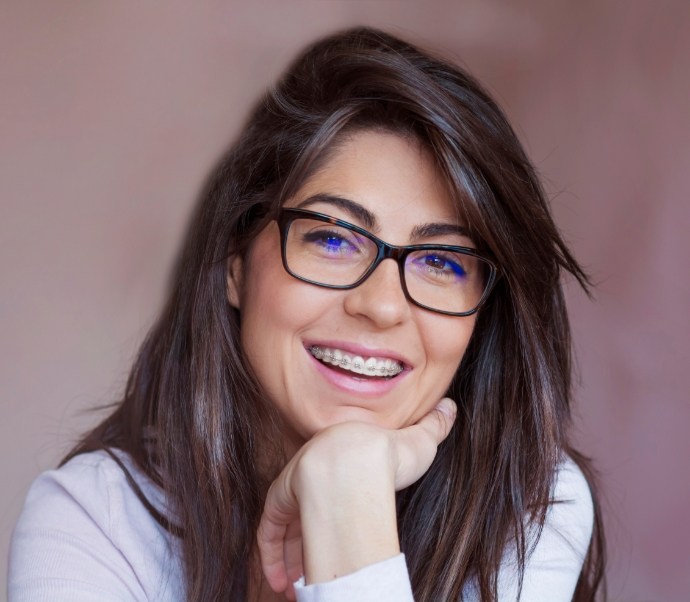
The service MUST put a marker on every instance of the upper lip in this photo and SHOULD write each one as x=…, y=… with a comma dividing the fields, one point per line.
x=361, y=350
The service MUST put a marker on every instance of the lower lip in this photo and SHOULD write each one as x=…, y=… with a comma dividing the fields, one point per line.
x=368, y=387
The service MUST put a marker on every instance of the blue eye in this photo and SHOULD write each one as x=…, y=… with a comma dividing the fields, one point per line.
x=332, y=242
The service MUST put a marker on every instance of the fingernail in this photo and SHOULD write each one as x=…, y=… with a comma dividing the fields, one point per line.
x=447, y=406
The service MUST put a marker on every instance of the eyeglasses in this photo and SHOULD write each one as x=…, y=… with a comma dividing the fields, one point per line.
x=329, y=252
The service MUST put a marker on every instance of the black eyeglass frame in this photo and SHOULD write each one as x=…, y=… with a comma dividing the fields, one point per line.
x=384, y=251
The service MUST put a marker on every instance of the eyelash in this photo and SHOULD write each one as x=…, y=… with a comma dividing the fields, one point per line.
x=456, y=268
x=322, y=237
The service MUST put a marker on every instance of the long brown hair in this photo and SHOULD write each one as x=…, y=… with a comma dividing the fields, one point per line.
x=193, y=417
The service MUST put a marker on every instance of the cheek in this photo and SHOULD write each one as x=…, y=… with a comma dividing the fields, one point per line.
x=446, y=341
x=276, y=308
x=277, y=304
x=262, y=286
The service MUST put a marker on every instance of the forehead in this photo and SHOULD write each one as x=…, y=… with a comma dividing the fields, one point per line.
x=394, y=178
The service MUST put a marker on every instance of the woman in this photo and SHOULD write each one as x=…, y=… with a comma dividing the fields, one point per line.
x=286, y=419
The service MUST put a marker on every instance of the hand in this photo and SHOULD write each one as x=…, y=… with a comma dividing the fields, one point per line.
x=332, y=508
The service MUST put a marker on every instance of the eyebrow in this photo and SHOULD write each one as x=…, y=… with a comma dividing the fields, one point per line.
x=366, y=217
x=356, y=210
x=438, y=229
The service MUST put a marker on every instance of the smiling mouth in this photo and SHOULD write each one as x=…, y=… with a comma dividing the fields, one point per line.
x=356, y=364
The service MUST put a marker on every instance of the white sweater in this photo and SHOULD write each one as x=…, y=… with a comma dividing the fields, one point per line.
x=83, y=535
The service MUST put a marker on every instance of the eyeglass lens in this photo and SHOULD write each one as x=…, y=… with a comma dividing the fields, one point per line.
x=333, y=255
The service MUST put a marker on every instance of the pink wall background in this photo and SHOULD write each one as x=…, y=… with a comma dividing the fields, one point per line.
x=112, y=113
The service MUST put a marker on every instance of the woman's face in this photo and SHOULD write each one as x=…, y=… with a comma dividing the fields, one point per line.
x=395, y=182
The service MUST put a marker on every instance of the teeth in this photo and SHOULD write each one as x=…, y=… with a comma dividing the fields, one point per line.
x=381, y=368
x=372, y=366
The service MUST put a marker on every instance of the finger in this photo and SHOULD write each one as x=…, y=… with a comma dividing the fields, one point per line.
x=269, y=540
x=416, y=445
x=293, y=556
x=280, y=510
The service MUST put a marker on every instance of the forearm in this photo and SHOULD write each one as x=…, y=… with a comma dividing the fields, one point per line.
x=331, y=511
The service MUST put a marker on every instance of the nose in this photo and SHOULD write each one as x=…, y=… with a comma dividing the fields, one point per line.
x=380, y=298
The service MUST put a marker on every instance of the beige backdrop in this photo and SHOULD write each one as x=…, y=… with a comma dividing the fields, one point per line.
x=111, y=113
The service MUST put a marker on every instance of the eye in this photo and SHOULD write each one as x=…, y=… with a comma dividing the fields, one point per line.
x=335, y=241
x=438, y=267
x=443, y=264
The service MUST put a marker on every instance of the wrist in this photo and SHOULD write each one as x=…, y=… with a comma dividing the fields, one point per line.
x=347, y=510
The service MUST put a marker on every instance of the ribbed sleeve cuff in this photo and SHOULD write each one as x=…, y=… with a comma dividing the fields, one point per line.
x=383, y=581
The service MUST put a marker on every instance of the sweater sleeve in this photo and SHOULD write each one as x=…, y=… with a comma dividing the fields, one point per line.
x=383, y=581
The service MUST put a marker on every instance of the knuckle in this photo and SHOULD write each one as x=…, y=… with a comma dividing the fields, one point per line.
x=349, y=444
